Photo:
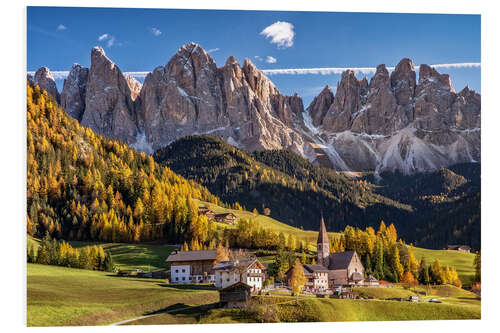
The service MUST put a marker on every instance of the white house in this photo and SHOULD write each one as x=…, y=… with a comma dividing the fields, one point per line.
x=192, y=266
x=249, y=271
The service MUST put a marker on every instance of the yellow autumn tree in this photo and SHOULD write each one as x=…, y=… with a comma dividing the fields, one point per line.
x=298, y=279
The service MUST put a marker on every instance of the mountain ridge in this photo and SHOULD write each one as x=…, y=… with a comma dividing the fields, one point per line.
x=393, y=122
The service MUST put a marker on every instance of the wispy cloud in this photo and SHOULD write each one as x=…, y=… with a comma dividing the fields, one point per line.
x=270, y=60
x=61, y=27
x=155, y=31
x=59, y=75
x=281, y=34
x=110, y=40
x=103, y=37
x=362, y=70
x=259, y=58
x=213, y=50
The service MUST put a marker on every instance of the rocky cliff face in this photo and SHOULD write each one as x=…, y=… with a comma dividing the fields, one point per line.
x=398, y=124
x=190, y=95
x=44, y=79
x=389, y=123
x=74, y=91
x=109, y=106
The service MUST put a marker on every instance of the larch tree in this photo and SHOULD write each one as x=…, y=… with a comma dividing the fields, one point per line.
x=298, y=279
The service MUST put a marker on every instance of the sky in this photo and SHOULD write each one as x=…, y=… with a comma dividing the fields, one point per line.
x=138, y=40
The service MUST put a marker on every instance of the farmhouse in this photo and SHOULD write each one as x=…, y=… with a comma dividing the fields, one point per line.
x=344, y=268
x=235, y=296
x=228, y=218
x=210, y=214
x=316, y=276
x=192, y=266
x=462, y=248
x=250, y=271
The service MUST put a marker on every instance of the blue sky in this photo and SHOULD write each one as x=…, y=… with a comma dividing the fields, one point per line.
x=142, y=39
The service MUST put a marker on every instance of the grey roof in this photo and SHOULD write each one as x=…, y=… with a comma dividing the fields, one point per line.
x=230, y=265
x=371, y=278
x=341, y=260
x=322, y=236
x=192, y=255
x=315, y=268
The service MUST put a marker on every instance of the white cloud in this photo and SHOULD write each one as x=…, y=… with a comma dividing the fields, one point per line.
x=156, y=31
x=281, y=34
x=213, y=50
x=61, y=27
x=362, y=70
x=103, y=37
x=258, y=58
x=111, y=41
x=270, y=60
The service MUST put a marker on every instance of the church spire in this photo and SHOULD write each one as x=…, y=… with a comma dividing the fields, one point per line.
x=323, y=245
x=323, y=236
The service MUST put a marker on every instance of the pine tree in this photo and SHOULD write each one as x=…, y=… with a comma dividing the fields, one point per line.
x=437, y=272
x=108, y=264
x=31, y=254
x=477, y=267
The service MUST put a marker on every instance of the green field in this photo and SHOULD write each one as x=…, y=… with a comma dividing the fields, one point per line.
x=65, y=296
x=312, y=309
x=129, y=256
x=463, y=262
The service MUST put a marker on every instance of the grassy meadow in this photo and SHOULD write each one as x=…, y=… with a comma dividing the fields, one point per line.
x=129, y=256
x=311, y=309
x=463, y=262
x=59, y=296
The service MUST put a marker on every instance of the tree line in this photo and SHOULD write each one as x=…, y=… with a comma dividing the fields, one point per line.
x=60, y=253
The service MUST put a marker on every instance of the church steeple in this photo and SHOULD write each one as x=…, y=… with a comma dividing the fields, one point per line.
x=323, y=245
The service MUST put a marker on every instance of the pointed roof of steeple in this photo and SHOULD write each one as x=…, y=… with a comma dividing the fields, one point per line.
x=323, y=236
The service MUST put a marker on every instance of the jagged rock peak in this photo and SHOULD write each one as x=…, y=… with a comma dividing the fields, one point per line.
x=405, y=65
x=428, y=73
x=320, y=105
x=404, y=81
x=74, y=91
x=43, y=78
x=381, y=77
x=97, y=50
x=109, y=108
x=231, y=61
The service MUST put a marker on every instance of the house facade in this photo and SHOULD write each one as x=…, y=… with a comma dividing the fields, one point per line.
x=192, y=266
x=316, y=277
x=228, y=218
x=250, y=272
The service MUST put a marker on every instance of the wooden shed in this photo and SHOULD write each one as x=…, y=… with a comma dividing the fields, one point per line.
x=235, y=296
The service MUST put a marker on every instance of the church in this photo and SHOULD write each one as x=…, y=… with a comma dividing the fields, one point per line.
x=344, y=268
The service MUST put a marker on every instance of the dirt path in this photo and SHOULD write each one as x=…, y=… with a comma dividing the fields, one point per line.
x=147, y=316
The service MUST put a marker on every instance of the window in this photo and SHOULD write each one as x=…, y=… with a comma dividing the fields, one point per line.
x=176, y=279
x=177, y=271
x=183, y=271
x=189, y=278
x=227, y=279
x=183, y=278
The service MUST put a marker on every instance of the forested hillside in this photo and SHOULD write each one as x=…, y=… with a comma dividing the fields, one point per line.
x=81, y=185
x=296, y=192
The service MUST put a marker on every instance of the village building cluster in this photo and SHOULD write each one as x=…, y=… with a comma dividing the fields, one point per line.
x=247, y=275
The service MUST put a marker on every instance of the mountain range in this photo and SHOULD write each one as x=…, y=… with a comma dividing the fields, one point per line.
x=393, y=122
